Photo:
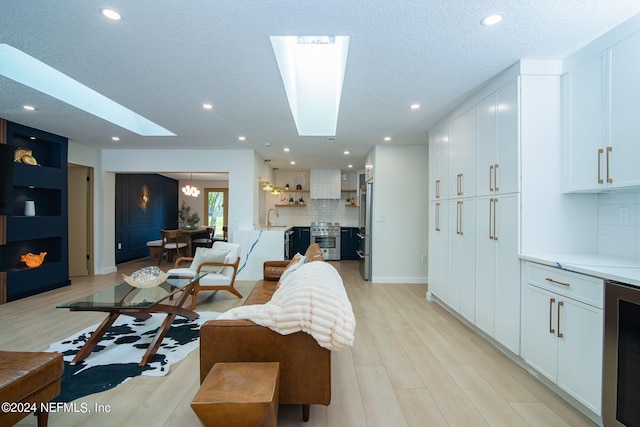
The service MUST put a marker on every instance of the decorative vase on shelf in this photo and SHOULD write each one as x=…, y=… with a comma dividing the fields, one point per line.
x=29, y=208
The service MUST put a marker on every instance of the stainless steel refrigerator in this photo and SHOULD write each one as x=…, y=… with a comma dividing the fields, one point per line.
x=364, y=251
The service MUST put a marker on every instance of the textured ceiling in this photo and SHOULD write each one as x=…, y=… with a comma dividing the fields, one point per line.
x=166, y=58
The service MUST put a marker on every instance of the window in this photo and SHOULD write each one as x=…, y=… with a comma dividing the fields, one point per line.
x=216, y=208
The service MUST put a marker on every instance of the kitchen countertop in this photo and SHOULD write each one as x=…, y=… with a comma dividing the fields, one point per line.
x=626, y=270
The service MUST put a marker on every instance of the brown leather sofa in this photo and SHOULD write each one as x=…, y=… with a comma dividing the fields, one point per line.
x=28, y=379
x=305, y=367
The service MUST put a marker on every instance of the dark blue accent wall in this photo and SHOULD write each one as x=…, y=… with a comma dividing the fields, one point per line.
x=134, y=226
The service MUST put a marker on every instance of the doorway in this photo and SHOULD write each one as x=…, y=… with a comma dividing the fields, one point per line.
x=80, y=218
x=216, y=209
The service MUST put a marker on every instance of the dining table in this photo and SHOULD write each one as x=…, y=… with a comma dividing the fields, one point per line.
x=188, y=234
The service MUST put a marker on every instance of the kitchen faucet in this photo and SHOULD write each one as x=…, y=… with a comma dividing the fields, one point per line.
x=268, y=224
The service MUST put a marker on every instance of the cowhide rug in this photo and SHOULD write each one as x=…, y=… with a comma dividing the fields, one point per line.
x=116, y=357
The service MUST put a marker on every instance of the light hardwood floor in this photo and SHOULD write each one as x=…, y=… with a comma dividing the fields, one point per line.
x=412, y=364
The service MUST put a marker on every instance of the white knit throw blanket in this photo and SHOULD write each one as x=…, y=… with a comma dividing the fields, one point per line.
x=311, y=299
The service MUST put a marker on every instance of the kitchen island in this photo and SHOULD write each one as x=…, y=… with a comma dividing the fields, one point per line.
x=258, y=245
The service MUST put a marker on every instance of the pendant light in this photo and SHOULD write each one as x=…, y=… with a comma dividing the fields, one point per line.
x=190, y=190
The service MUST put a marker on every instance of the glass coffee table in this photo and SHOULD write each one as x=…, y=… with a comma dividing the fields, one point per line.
x=139, y=303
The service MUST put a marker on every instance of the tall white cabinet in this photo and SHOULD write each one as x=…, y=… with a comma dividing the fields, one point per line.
x=513, y=203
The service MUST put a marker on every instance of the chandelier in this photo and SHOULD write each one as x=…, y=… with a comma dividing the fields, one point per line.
x=190, y=190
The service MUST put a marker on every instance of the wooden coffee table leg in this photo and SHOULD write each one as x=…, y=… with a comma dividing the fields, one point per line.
x=88, y=347
x=157, y=340
x=172, y=312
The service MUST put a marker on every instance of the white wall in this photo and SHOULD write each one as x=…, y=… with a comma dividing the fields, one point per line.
x=400, y=214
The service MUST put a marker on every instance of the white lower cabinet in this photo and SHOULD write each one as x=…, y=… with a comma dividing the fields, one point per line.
x=562, y=330
x=439, y=250
x=498, y=270
x=462, y=257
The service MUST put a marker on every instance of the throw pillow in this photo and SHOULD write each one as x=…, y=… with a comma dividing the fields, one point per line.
x=209, y=255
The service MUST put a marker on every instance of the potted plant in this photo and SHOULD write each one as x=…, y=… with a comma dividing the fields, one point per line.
x=290, y=200
x=286, y=187
x=186, y=218
x=301, y=201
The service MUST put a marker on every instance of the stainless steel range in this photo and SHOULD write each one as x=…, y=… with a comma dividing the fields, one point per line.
x=327, y=236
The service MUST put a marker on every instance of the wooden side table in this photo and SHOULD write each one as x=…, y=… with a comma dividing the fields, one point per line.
x=239, y=394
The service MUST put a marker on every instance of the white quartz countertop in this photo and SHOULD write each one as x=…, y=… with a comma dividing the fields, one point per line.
x=273, y=228
x=626, y=270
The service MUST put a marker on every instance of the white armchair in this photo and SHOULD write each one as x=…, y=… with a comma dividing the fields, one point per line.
x=221, y=273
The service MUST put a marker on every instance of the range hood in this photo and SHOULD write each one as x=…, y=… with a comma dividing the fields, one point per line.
x=325, y=183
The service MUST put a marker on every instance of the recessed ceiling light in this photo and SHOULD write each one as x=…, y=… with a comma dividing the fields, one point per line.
x=414, y=106
x=242, y=138
x=350, y=166
x=387, y=138
x=286, y=149
x=29, y=107
x=115, y=138
x=112, y=14
x=292, y=162
x=346, y=152
x=490, y=20
x=207, y=106
x=32, y=138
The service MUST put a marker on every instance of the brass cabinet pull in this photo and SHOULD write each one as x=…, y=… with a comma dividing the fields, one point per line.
x=495, y=230
x=437, y=188
x=600, y=151
x=460, y=207
x=560, y=334
x=549, y=279
x=551, y=301
x=490, y=177
x=437, y=216
x=609, y=179
x=495, y=177
x=459, y=186
x=490, y=216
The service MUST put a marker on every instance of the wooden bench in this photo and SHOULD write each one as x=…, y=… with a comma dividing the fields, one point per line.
x=239, y=394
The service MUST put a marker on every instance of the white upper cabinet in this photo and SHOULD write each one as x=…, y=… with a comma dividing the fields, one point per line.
x=439, y=164
x=498, y=142
x=622, y=158
x=601, y=128
x=462, y=155
x=585, y=125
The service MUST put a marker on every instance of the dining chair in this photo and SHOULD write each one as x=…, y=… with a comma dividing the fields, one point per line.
x=204, y=242
x=171, y=244
x=225, y=236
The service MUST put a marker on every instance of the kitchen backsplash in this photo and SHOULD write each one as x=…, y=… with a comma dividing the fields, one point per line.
x=314, y=210
x=618, y=231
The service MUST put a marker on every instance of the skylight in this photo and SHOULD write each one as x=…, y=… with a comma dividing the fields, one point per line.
x=29, y=71
x=312, y=70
